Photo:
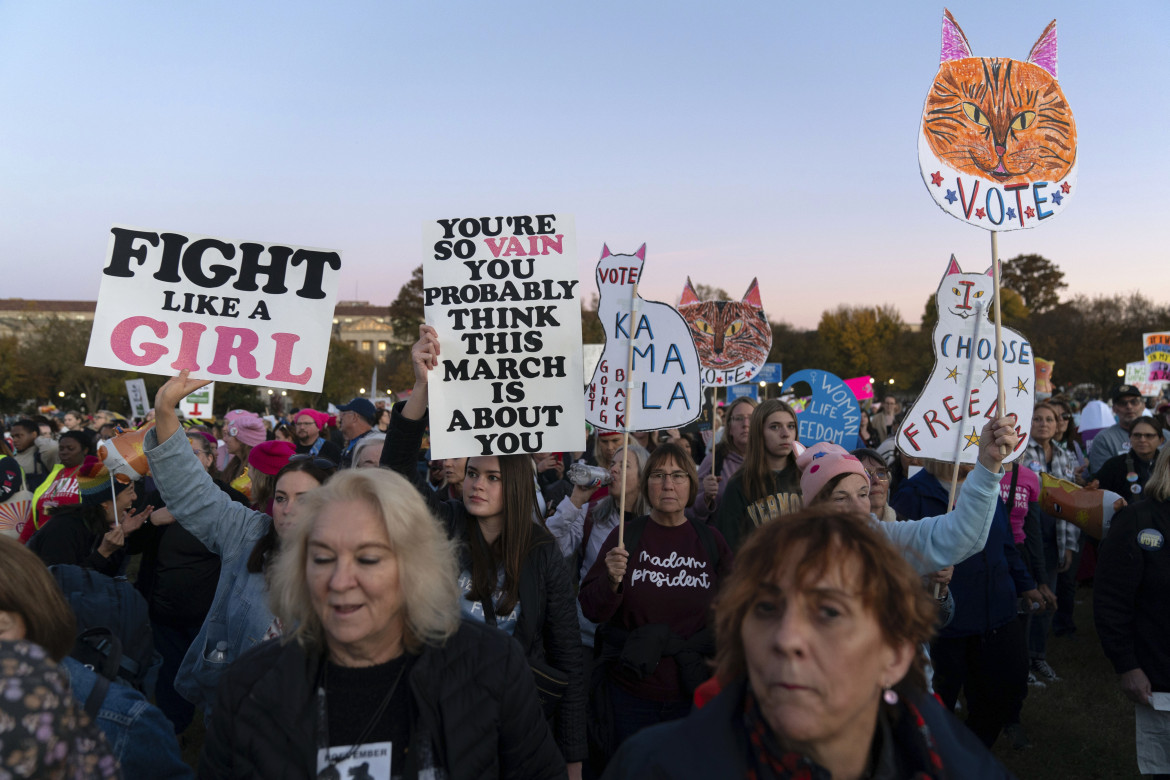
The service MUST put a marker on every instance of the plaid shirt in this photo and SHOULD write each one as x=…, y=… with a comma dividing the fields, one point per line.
x=1063, y=465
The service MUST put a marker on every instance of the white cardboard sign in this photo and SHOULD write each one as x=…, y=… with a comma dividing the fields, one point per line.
x=666, y=390
x=502, y=293
x=199, y=403
x=136, y=392
x=238, y=311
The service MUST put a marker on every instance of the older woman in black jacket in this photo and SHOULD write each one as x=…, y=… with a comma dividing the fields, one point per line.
x=377, y=675
x=512, y=574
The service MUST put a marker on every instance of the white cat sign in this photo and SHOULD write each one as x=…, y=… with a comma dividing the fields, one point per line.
x=960, y=395
x=502, y=294
x=664, y=387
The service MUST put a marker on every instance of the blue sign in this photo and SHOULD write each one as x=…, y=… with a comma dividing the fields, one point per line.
x=770, y=372
x=748, y=390
x=831, y=414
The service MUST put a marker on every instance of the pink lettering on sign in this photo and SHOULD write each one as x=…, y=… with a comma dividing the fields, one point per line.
x=123, y=333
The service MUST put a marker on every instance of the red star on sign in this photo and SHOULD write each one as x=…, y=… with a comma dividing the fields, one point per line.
x=719, y=380
x=936, y=179
x=1065, y=187
x=1030, y=212
x=981, y=213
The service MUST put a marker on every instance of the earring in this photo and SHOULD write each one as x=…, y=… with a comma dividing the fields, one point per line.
x=890, y=697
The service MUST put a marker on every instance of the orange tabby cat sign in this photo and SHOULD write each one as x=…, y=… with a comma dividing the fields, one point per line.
x=998, y=144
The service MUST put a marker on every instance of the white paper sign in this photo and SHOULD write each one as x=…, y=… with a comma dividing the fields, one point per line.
x=199, y=403
x=136, y=392
x=667, y=378
x=502, y=292
x=238, y=311
x=960, y=395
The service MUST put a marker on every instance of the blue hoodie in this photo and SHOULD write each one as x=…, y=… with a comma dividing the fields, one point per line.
x=986, y=585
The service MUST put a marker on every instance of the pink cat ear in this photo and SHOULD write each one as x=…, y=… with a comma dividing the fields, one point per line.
x=953, y=267
x=604, y=251
x=1044, y=49
x=688, y=294
x=641, y=253
x=954, y=42
x=752, y=296
x=990, y=271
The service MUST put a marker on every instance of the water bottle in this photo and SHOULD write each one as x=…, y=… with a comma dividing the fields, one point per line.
x=588, y=476
x=219, y=654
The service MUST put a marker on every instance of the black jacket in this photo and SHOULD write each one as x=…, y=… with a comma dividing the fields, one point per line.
x=547, y=628
x=69, y=537
x=474, y=710
x=712, y=742
x=1131, y=592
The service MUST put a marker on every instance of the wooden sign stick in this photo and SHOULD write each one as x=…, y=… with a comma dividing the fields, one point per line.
x=966, y=409
x=626, y=428
x=1001, y=397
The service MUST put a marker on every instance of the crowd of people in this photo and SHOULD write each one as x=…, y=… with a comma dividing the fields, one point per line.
x=334, y=602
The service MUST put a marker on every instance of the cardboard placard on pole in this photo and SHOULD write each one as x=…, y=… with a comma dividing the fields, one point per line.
x=502, y=293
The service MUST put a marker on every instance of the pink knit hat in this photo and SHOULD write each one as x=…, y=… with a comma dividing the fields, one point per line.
x=271, y=456
x=246, y=426
x=321, y=419
x=820, y=463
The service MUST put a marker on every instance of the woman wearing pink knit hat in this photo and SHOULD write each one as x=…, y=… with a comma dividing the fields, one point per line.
x=829, y=474
x=242, y=431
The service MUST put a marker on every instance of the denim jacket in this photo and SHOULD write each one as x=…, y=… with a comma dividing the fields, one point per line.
x=140, y=736
x=239, y=615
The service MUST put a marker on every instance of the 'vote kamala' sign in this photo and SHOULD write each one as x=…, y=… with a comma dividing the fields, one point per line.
x=502, y=294
x=238, y=311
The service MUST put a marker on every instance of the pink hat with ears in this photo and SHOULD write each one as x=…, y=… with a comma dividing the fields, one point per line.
x=321, y=419
x=820, y=463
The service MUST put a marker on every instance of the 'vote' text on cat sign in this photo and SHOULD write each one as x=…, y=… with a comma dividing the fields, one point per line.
x=502, y=293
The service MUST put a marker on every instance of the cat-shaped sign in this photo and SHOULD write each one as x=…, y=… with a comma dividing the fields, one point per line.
x=964, y=353
x=667, y=389
x=733, y=337
x=998, y=145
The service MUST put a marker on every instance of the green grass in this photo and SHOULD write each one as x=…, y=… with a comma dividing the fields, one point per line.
x=1081, y=727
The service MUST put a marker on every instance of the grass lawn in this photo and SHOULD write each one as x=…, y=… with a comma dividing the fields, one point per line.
x=1081, y=727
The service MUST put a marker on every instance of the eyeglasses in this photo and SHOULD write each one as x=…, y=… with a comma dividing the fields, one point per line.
x=878, y=475
x=1143, y=436
x=321, y=463
x=677, y=477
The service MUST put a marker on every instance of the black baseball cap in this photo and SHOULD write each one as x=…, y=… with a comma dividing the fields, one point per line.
x=1126, y=390
x=363, y=407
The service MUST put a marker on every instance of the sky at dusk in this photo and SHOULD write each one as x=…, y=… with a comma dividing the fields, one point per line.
x=736, y=140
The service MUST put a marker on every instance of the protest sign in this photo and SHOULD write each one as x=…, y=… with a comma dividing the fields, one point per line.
x=198, y=403
x=960, y=394
x=771, y=372
x=1156, y=349
x=862, y=387
x=502, y=294
x=743, y=391
x=649, y=374
x=1139, y=374
x=997, y=145
x=238, y=311
x=733, y=337
x=830, y=414
x=136, y=392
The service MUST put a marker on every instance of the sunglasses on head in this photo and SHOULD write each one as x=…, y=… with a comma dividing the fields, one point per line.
x=321, y=463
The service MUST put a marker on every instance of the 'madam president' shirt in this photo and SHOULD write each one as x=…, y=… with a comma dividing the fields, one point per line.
x=668, y=580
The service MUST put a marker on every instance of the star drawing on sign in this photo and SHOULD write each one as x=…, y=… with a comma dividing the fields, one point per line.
x=972, y=439
x=1021, y=386
x=951, y=196
x=953, y=373
x=719, y=380
x=936, y=178
x=1065, y=187
x=981, y=213
x=1057, y=198
x=1029, y=212
x=1011, y=213
x=988, y=373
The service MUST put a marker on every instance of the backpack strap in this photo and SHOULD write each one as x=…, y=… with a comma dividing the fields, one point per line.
x=111, y=648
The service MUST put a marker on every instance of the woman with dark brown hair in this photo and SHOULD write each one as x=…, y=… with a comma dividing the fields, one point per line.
x=819, y=628
x=512, y=574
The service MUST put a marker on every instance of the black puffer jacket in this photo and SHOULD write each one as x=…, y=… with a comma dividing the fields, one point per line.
x=547, y=628
x=474, y=709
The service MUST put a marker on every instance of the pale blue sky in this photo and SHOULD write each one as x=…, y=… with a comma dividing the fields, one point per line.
x=736, y=139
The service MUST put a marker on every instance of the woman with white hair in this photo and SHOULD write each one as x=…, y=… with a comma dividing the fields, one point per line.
x=380, y=675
